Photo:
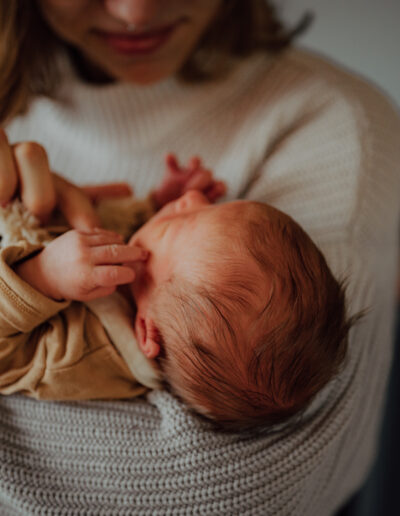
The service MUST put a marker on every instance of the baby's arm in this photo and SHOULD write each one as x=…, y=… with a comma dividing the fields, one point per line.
x=57, y=350
x=68, y=357
x=81, y=266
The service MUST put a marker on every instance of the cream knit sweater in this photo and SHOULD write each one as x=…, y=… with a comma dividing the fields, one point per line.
x=295, y=132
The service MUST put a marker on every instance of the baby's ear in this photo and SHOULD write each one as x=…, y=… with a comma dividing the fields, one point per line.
x=148, y=337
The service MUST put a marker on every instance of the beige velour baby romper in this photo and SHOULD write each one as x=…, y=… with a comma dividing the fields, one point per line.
x=60, y=350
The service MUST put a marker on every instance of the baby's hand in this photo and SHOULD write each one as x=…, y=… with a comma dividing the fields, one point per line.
x=82, y=266
x=178, y=180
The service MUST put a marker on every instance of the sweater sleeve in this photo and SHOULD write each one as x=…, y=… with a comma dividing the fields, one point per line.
x=336, y=171
x=69, y=357
x=334, y=167
x=22, y=308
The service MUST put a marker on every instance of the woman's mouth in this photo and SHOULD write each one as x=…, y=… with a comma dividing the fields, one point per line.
x=146, y=42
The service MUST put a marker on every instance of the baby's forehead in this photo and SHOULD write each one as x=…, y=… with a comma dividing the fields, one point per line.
x=244, y=209
x=229, y=236
x=224, y=251
x=243, y=217
x=245, y=235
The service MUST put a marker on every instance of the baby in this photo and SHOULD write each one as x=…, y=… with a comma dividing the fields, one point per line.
x=237, y=311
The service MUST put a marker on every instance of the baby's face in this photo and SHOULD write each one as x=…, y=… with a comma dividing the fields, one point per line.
x=177, y=238
x=191, y=239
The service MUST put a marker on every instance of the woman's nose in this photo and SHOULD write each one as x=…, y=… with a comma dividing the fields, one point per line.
x=138, y=13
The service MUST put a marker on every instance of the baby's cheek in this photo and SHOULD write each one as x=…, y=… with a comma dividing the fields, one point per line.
x=140, y=283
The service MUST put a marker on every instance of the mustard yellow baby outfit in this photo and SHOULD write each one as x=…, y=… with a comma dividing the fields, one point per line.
x=67, y=350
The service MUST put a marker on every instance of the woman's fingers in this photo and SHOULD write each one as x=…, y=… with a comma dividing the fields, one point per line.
x=107, y=191
x=36, y=183
x=75, y=205
x=8, y=172
x=24, y=166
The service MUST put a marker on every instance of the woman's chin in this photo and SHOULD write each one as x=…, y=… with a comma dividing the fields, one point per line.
x=141, y=74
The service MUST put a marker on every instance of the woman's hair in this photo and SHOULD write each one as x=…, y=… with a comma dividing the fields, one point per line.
x=28, y=47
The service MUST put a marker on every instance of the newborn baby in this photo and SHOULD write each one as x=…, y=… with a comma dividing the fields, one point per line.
x=239, y=309
x=236, y=312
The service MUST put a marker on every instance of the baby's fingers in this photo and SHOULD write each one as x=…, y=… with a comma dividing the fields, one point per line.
x=217, y=190
x=101, y=236
x=172, y=164
x=200, y=181
x=117, y=253
x=112, y=275
x=99, y=292
x=194, y=164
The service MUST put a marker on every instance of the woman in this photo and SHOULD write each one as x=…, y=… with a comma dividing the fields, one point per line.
x=107, y=88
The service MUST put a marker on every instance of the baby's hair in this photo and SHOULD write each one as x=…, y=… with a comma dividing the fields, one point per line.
x=239, y=365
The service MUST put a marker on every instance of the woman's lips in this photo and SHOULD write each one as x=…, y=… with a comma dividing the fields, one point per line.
x=137, y=44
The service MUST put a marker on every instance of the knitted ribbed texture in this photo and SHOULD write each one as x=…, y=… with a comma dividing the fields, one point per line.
x=297, y=133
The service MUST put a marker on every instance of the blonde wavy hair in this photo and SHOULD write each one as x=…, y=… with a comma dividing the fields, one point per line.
x=28, y=47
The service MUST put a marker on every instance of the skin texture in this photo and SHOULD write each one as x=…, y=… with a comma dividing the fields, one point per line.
x=81, y=266
x=170, y=237
x=24, y=170
x=24, y=167
x=179, y=239
x=81, y=23
x=84, y=265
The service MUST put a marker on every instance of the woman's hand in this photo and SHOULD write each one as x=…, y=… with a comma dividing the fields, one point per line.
x=25, y=171
x=24, y=168
x=178, y=180
x=81, y=266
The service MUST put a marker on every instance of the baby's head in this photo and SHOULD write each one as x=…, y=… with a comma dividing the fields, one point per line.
x=239, y=309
